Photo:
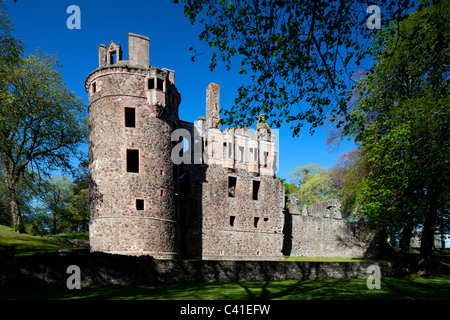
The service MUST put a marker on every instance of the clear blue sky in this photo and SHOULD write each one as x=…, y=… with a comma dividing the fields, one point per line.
x=43, y=24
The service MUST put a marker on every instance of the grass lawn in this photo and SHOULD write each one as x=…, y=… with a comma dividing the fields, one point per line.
x=411, y=288
x=25, y=244
x=71, y=236
x=320, y=289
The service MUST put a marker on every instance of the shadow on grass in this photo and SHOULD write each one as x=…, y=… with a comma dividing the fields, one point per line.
x=317, y=289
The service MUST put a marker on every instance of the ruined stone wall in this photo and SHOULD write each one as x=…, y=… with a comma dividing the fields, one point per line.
x=234, y=227
x=323, y=233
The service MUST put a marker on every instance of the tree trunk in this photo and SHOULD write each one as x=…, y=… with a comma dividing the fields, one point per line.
x=442, y=237
x=14, y=205
x=405, y=240
x=441, y=223
x=428, y=232
x=54, y=228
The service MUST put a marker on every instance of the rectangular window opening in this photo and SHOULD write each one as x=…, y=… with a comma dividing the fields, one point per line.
x=139, y=204
x=265, y=159
x=256, y=185
x=232, y=187
x=160, y=84
x=255, y=222
x=232, y=219
x=94, y=87
x=112, y=57
x=225, y=150
x=330, y=211
x=266, y=219
x=241, y=154
x=130, y=117
x=185, y=185
x=133, y=161
x=162, y=192
x=151, y=84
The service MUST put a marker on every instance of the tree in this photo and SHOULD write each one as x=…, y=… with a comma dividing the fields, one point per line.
x=401, y=124
x=313, y=183
x=347, y=174
x=42, y=123
x=61, y=205
x=12, y=48
x=79, y=199
x=56, y=200
x=299, y=54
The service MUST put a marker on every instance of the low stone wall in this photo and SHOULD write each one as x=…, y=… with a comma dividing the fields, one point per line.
x=325, y=237
x=101, y=269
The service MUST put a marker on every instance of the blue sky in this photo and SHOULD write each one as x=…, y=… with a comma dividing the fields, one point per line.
x=43, y=24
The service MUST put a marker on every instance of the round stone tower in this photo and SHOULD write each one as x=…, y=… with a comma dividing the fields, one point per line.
x=133, y=110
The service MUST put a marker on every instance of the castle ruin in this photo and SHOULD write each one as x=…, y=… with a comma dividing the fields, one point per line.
x=222, y=202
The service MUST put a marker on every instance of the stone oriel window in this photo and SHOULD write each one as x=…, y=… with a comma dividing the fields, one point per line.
x=139, y=204
x=232, y=182
x=132, y=160
x=255, y=189
x=130, y=117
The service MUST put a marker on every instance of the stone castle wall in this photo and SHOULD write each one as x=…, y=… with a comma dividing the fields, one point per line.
x=323, y=233
x=133, y=210
x=237, y=227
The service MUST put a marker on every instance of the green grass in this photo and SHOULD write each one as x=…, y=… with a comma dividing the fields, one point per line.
x=71, y=236
x=412, y=288
x=320, y=289
x=25, y=244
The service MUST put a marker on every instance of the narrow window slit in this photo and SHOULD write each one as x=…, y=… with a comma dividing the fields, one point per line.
x=133, y=160
x=256, y=185
x=130, y=117
x=232, y=187
x=232, y=220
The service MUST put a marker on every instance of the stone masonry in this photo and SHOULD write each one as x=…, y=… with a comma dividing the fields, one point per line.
x=221, y=202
